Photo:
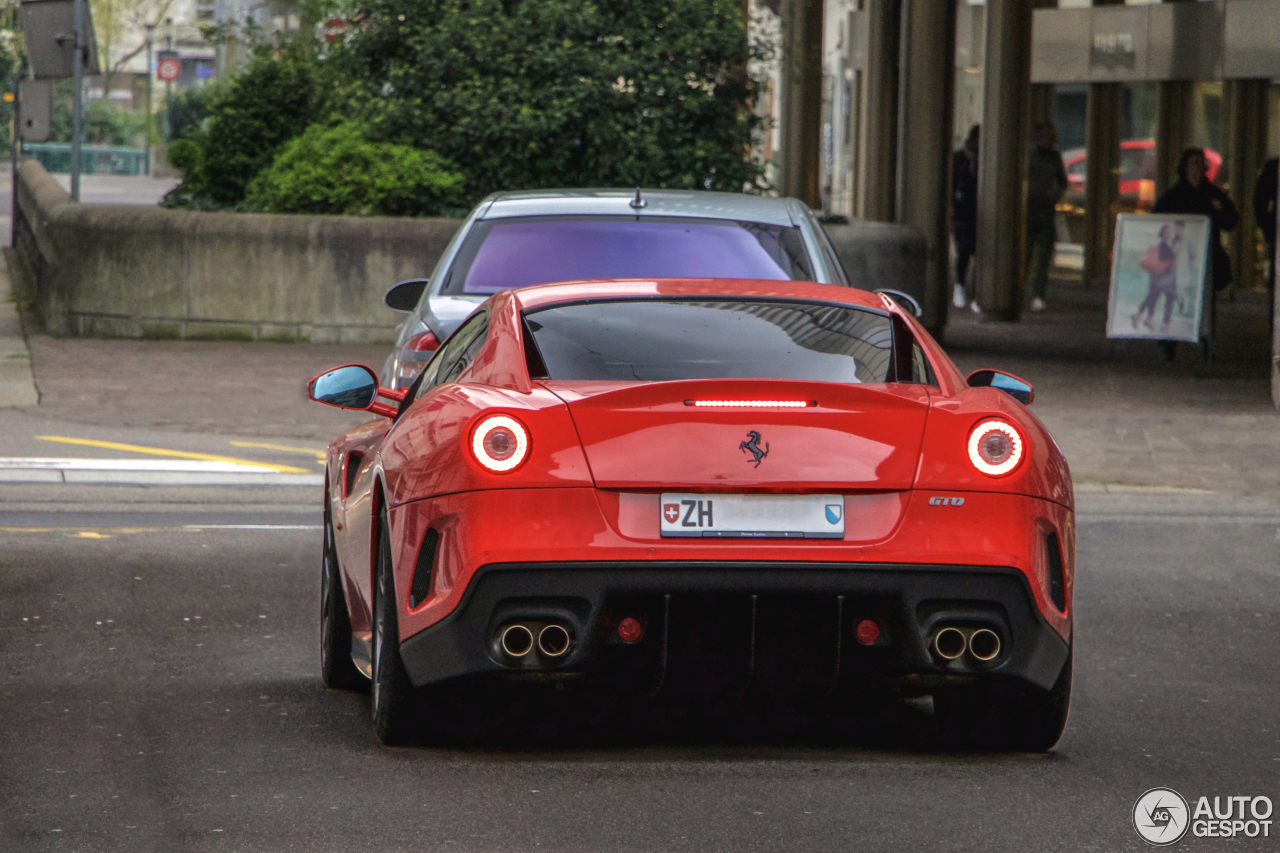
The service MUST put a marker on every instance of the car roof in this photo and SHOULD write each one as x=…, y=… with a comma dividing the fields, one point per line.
x=542, y=295
x=617, y=202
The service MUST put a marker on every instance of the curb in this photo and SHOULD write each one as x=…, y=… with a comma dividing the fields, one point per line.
x=17, y=387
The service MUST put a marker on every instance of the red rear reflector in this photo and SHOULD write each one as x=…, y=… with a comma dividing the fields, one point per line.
x=750, y=404
x=630, y=630
x=867, y=632
x=423, y=342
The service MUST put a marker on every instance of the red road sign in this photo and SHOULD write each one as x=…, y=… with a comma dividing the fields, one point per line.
x=168, y=70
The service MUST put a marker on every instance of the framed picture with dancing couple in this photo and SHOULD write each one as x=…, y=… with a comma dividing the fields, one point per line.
x=1158, y=272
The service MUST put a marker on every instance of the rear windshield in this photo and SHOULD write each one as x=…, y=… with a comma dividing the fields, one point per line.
x=499, y=254
x=660, y=340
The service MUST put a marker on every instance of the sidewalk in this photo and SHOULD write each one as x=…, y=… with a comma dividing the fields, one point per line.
x=16, y=386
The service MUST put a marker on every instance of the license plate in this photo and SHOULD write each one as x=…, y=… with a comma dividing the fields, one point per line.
x=753, y=516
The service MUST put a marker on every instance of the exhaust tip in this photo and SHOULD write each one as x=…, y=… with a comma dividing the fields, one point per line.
x=949, y=643
x=517, y=641
x=553, y=641
x=984, y=644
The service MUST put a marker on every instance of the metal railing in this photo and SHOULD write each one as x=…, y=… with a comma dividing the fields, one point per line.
x=94, y=159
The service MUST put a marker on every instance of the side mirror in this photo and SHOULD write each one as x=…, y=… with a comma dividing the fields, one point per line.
x=403, y=297
x=1018, y=389
x=353, y=386
x=905, y=300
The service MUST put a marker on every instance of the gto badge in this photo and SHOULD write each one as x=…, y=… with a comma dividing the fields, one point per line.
x=752, y=446
x=946, y=501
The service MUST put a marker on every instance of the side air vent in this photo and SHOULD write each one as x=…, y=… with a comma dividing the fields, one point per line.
x=350, y=472
x=1057, y=581
x=422, y=572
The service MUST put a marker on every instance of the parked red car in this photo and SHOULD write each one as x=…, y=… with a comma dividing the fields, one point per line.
x=1137, y=173
x=706, y=488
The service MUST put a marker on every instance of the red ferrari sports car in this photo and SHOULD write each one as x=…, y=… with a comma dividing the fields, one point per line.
x=708, y=486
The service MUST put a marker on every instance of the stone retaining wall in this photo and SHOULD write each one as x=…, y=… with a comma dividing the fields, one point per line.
x=144, y=272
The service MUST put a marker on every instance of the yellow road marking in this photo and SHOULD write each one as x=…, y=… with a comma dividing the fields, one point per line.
x=320, y=455
x=179, y=454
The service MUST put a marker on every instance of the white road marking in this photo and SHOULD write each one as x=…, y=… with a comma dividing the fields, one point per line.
x=147, y=472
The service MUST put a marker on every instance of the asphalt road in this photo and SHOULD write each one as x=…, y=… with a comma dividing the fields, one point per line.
x=160, y=692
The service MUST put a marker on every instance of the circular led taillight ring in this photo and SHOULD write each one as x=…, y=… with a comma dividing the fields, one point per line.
x=487, y=460
x=980, y=432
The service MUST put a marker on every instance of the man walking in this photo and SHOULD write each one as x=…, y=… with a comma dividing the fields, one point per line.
x=964, y=210
x=1046, y=182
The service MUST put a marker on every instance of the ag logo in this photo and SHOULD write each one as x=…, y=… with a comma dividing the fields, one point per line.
x=1161, y=817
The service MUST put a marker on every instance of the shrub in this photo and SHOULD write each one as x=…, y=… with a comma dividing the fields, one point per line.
x=267, y=104
x=186, y=112
x=338, y=170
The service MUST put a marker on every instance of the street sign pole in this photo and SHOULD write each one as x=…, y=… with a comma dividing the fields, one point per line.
x=77, y=83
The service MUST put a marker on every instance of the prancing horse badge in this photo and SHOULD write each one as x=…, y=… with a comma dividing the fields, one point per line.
x=752, y=446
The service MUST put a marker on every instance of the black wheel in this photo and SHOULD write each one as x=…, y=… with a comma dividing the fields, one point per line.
x=336, y=669
x=393, y=693
x=1006, y=717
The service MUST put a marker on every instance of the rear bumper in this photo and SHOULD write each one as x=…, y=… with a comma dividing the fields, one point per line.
x=737, y=626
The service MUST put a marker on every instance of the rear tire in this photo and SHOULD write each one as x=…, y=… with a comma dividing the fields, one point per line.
x=336, y=669
x=393, y=693
x=1006, y=717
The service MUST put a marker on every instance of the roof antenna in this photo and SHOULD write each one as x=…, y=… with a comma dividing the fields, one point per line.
x=638, y=203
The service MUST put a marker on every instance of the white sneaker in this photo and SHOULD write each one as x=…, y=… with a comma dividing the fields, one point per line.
x=973, y=306
x=957, y=297
x=1037, y=304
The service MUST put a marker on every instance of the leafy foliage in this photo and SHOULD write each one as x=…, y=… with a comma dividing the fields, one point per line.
x=186, y=112
x=540, y=93
x=337, y=170
x=104, y=123
x=269, y=103
x=512, y=94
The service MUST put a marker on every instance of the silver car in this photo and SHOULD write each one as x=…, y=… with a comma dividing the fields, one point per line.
x=517, y=239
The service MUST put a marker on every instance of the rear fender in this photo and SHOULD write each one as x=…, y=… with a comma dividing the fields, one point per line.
x=427, y=452
x=944, y=453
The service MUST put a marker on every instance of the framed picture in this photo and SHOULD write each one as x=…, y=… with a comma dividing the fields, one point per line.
x=1158, y=271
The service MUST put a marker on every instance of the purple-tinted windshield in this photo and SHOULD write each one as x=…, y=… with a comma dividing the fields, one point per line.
x=509, y=253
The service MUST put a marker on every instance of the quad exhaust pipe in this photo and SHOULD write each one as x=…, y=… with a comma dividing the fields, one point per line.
x=950, y=643
x=553, y=640
x=517, y=641
x=984, y=644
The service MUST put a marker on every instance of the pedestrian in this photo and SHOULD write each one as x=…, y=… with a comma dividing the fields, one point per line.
x=964, y=211
x=1046, y=182
x=1194, y=193
x=1264, y=212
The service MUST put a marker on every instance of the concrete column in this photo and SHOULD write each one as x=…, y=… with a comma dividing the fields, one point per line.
x=878, y=144
x=1172, y=131
x=801, y=100
x=1102, y=190
x=1245, y=150
x=924, y=141
x=1002, y=161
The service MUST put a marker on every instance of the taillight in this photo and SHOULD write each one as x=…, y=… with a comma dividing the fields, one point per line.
x=995, y=448
x=423, y=342
x=500, y=443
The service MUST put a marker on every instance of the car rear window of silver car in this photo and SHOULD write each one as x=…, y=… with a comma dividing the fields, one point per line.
x=658, y=340
x=500, y=254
